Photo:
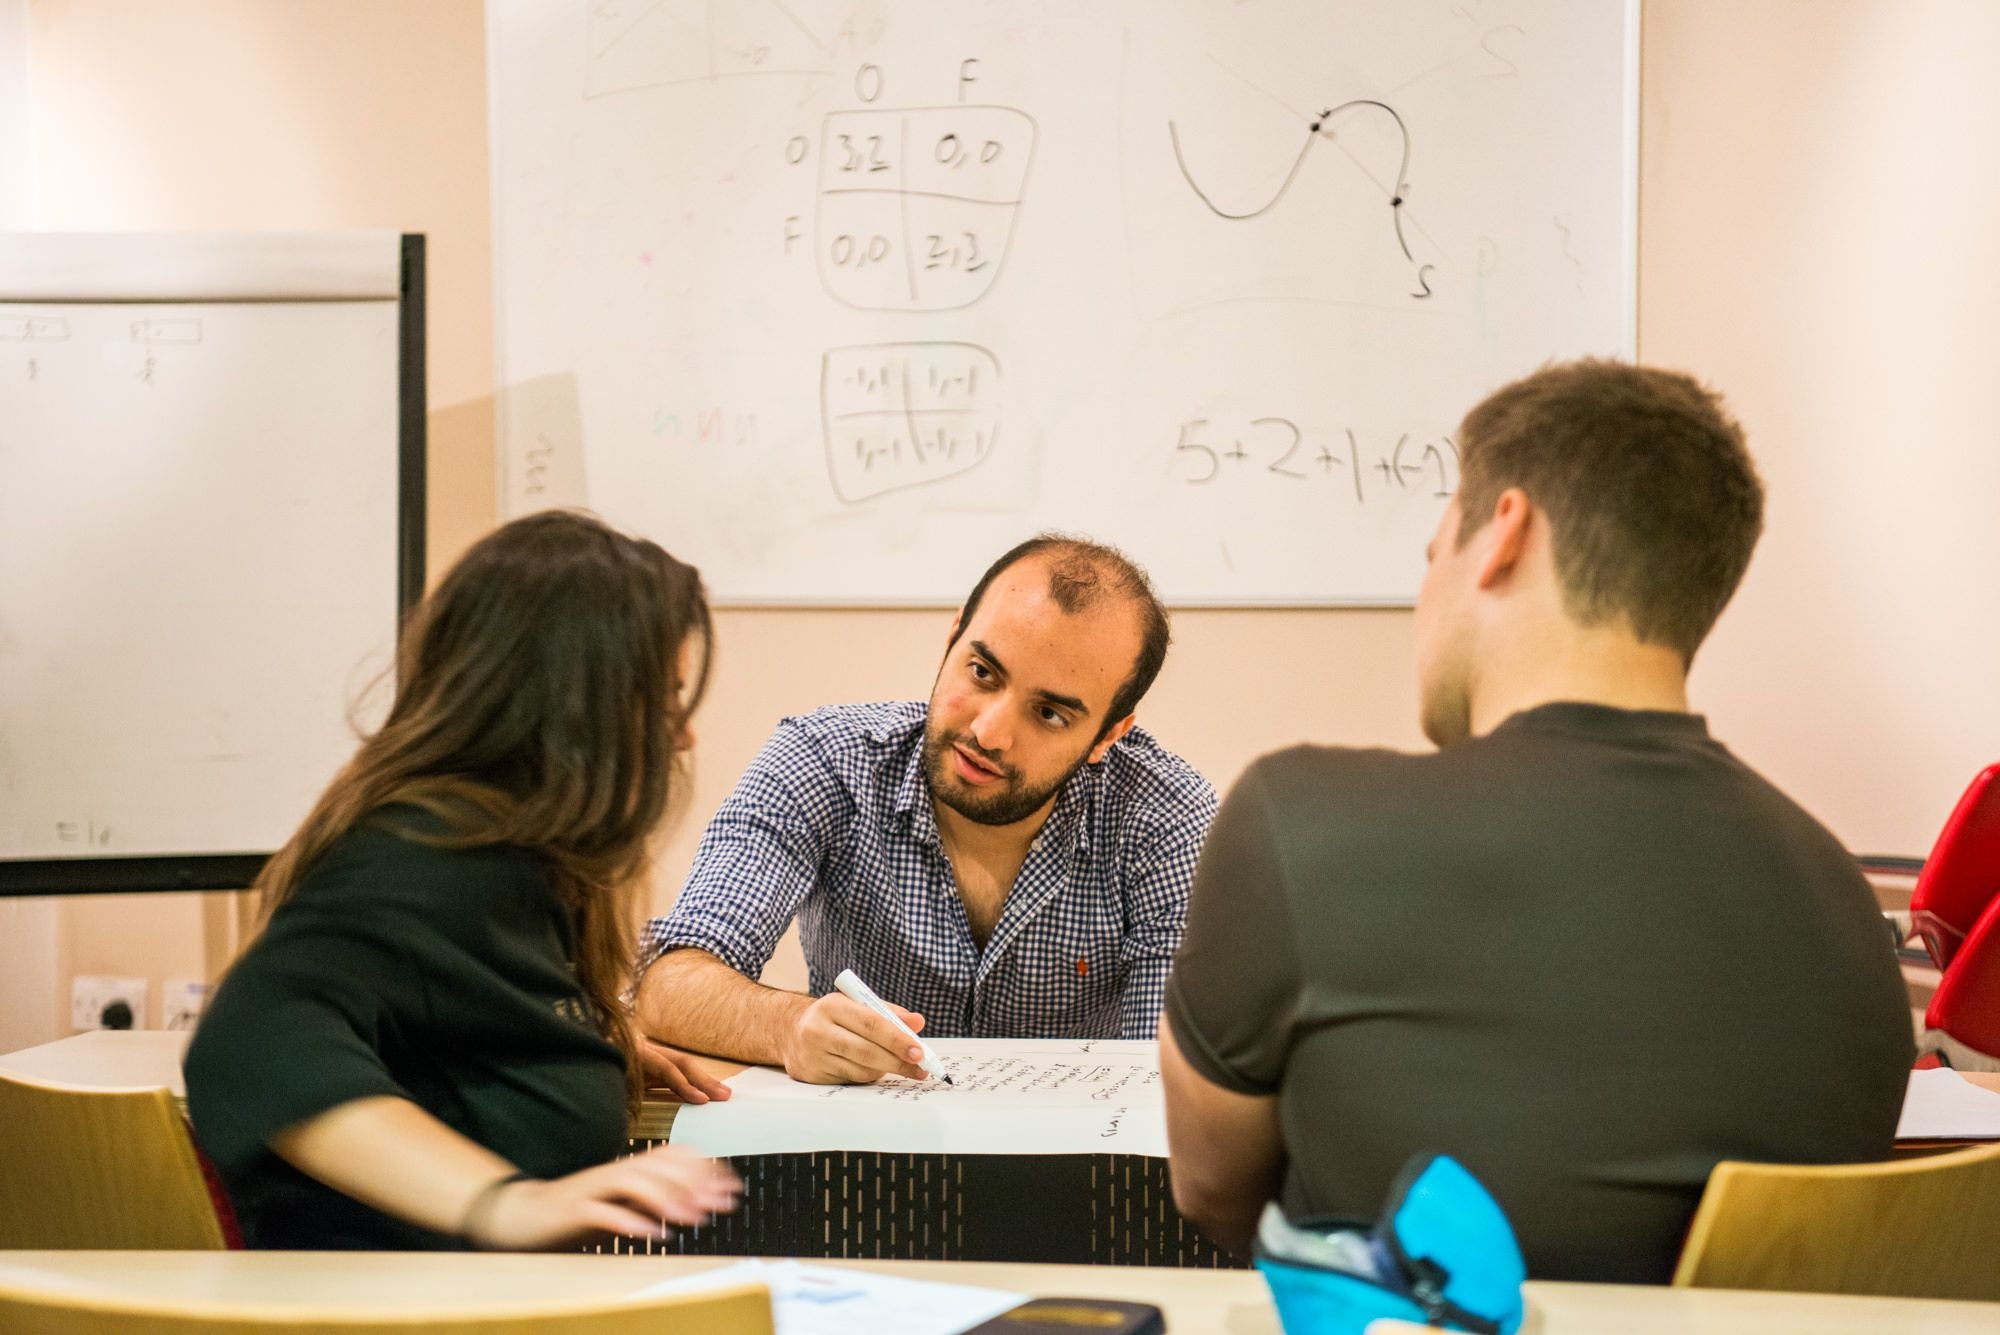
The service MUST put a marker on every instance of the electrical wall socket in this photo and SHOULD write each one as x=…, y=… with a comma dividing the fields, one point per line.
x=91, y=994
x=181, y=1002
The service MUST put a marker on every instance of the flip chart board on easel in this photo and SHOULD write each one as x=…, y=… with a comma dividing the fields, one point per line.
x=211, y=517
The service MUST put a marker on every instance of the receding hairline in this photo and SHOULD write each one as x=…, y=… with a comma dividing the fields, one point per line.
x=1079, y=579
x=1128, y=581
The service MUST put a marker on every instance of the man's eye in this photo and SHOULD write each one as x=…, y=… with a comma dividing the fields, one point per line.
x=1055, y=718
x=980, y=672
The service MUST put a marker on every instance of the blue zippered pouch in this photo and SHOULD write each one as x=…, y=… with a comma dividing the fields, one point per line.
x=1442, y=1254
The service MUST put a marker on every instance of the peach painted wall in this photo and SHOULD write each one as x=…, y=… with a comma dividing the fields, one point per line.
x=1818, y=195
x=1820, y=202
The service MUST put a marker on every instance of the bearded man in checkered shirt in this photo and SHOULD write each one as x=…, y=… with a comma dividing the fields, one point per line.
x=1010, y=859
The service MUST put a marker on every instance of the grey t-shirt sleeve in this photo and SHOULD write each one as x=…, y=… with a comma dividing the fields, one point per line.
x=1233, y=995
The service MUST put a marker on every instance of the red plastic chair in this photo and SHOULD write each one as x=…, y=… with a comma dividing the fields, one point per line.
x=1966, y=1005
x=1961, y=877
x=1956, y=910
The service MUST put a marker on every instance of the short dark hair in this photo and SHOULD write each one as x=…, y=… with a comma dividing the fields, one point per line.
x=1654, y=505
x=1081, y=572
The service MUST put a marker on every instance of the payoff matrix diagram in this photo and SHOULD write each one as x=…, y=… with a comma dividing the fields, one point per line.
x=914, y=210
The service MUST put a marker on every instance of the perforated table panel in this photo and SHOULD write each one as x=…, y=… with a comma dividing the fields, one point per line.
x=1078, y=1209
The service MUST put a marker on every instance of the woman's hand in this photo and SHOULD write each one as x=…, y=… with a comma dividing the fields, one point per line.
x=627, y=1196
x=671, y=1069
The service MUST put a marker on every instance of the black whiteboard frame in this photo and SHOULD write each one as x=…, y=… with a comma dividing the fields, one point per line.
x=23, y=877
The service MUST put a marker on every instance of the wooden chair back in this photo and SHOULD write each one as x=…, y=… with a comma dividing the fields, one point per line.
x=100, y=1168
x=1910, y=1228
x=740, y=1310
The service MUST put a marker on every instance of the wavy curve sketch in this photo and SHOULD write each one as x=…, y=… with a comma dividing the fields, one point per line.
x=1320, y=126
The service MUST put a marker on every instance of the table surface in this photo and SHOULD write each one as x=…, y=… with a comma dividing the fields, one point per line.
x=149, y=1058
x=295, y=1284
x=1226, y=1301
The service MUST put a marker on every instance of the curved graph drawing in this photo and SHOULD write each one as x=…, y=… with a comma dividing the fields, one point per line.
x=1313, y=132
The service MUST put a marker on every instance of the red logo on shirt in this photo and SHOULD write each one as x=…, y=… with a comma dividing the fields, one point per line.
x=1083, y=968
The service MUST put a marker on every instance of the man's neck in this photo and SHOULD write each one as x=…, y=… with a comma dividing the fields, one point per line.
x=1594, y=667
x=985, y=861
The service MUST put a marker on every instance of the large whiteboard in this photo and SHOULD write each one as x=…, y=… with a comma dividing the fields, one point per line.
x=200, y=527
x=840, y=298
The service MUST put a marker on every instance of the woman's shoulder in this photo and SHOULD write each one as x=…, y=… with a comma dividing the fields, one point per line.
x=403, y=854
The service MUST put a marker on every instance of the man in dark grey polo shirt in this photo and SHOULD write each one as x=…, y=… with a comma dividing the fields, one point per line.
x=1582, y=948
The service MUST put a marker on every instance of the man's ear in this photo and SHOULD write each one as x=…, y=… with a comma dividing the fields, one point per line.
x=1505, y=536
x=1111, y=738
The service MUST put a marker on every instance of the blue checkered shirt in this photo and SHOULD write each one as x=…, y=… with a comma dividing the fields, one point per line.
x=833, y=824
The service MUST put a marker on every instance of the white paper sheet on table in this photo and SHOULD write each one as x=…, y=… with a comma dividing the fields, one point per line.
x=1013, y=1096
x=1944, y=1105
x=820, y=1300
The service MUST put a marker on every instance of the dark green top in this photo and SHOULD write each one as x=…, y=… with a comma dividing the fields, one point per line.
x=438, y=976
x=1588, y=955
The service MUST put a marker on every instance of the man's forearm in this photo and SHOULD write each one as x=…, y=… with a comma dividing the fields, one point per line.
x=693, y=1000
x=1230, y=1224
x=1226, y=1150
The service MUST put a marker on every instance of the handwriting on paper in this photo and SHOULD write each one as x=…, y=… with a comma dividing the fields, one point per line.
x=1007, y=1097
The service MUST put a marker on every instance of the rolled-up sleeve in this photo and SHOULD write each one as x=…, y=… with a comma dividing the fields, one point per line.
x=1158, y=908
x=759, y=858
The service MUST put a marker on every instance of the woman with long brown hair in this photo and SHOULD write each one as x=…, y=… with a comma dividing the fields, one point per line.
x=427, y=1046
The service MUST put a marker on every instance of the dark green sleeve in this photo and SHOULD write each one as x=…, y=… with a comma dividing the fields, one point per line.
x=298, y=1026
x=1233, y=994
